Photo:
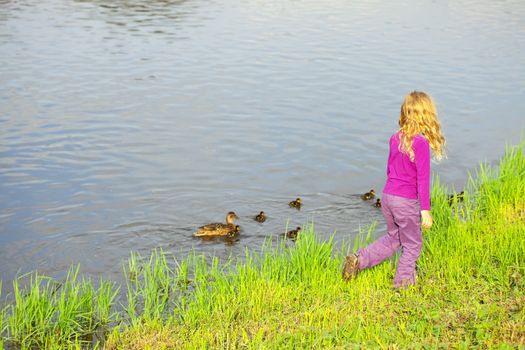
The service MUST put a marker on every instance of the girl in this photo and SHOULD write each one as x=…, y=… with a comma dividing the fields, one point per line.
x=406, y=195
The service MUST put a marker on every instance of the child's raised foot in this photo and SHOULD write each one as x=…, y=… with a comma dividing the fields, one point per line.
x=351, y=267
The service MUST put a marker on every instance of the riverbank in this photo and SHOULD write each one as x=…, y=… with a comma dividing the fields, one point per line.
x=471, y=278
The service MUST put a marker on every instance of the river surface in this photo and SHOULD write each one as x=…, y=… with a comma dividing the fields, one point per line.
x=125, y=125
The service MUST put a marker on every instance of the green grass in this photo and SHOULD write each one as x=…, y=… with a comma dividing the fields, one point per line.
x=469, y=292
x=51, y=314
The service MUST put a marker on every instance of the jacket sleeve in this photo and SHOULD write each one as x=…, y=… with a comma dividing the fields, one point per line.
x=422, y=160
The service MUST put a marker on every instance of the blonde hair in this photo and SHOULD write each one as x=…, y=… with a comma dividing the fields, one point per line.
x=419, y=116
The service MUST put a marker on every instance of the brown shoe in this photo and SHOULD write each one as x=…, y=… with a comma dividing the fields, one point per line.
x=351, y=267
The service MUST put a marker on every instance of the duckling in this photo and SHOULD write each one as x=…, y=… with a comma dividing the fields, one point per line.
x=292, y=234
x=218, y=229
x=261, y=217
x=368, y=195
x=459, y=197
x=377, y=204
x=296, y=203
x=235, y=232
x=232, y=237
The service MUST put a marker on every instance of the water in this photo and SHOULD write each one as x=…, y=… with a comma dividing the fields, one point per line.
x=125, y=125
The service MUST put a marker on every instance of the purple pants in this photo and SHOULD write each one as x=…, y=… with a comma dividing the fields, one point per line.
x=403, y=224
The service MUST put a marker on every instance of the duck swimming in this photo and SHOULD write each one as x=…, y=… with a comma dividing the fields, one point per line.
x=377, y=204
x=219, y=229
x=458, y=197
x=368, y=195
x=296, y=203
x=234, y=232
x=261, y=217
x=292, y=234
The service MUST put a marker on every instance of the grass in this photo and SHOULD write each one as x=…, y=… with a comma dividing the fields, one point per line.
x=469, y=293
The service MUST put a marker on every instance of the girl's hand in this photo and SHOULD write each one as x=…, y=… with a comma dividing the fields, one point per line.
x=426, y=219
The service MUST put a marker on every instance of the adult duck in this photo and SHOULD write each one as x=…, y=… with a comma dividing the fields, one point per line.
x=219, y=229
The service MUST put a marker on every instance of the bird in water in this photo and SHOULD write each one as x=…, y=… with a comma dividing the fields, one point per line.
x=219, y=229
x=377, y=204
x=368, y=195
x=296, y=203
x=261, y=217
x=235, y=232
x=292, y=234
x=458, y=197
x=231, y=238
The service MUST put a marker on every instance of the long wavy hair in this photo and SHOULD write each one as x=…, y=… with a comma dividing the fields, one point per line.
x=419, y=116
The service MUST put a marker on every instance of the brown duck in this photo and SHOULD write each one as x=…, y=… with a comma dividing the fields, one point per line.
x=296, y=203
x=292, y=234
x=456, y=197
x=368, y=195
x=234, y=232
x=261, y=217
x=219, y=229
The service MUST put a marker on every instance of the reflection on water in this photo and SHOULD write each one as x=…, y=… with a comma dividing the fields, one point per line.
x=128, y=124
x=145, y=17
